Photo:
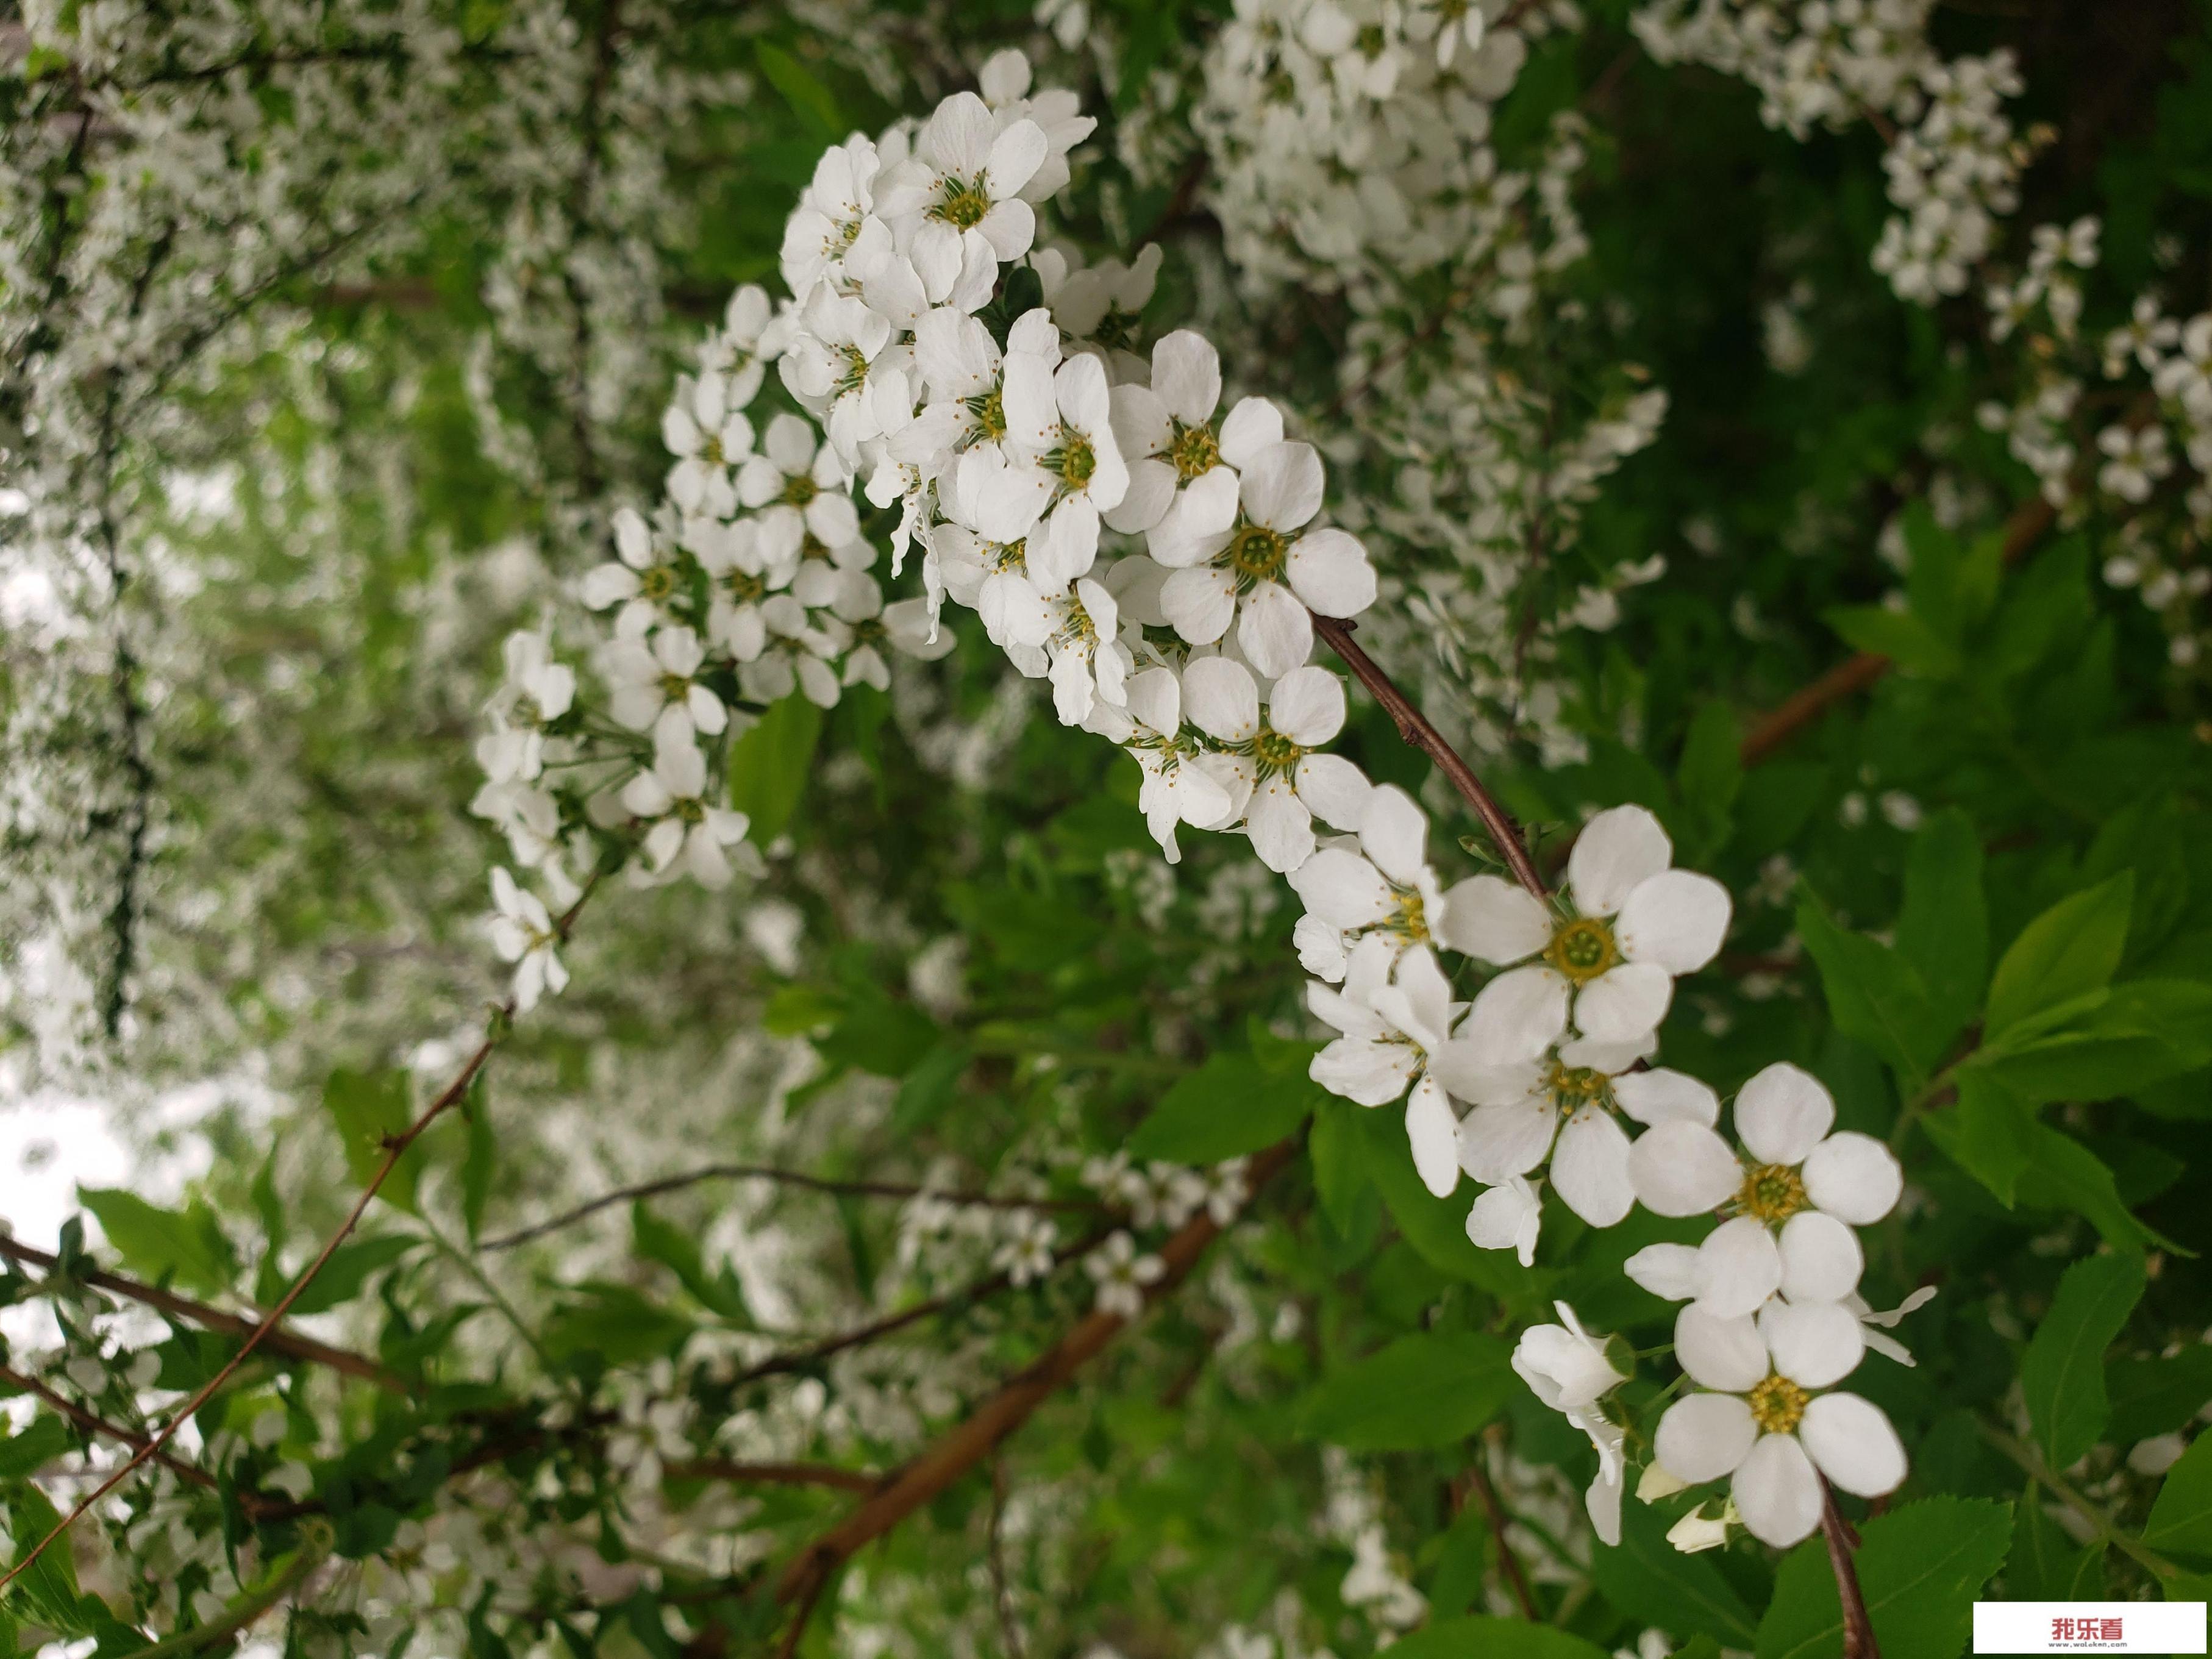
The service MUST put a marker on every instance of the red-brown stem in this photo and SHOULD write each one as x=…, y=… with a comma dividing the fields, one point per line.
x=1858, y=1627
x=1414, y=727
x=276, y=1340
x=985, y=1428
x=1478, y=1480
x=92, y=1424
x=395, y=1148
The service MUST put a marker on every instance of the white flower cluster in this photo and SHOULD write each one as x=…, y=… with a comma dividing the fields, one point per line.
x=1344, y=135
x=1772, y=1325
x=1953, y=160
x=2146, y=468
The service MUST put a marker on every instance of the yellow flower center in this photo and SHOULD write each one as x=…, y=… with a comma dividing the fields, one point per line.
x=1582, y=949
x=1274, y=752
x=674, y=688
x=1772, y=1192
x=1409, y=916
x=1255, y=553
x=990, y=413
x=1576, y=1086
x=744, y=588
x=1777, y=1404
x=710, y=449
x=691, y=811
x=1194, y=451
x=657, y=583
x=1076, y=459
x=799, y=490
x=961, y=206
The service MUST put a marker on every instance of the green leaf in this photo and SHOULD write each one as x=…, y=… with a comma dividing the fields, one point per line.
x=931, y=1085
x=2045, y=1564
x=769, y=764
x=878, y=1034
x=350, y=1266
x=1650, y=1581
x=2157, y=1396
x=1906, y=639
x=1462, y=1562
x=1435, y=1227
x=1874, y=994
x=612, y=1325
x=2064, y=1174
x=1990, y=1133
x=480, y=1162
x=1338, y=1153
x=2106, y=1043
x=187, y=1245
x=1920, y=1567
x=49, y=1585
x=2062, y=1376
x=1491, y=1637
x=1709, y=778
x=2181, y=1519
x=369, y=1108
x=809, y=99
x=1433, y=1388
x=2070, y=950
x=43, y=1439
x=662, y=1241
x=1229, y=1106
x=2150, y=839
x=1943, y=930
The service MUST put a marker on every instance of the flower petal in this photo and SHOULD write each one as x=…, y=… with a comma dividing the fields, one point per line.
x=1676, y=919
x=1589, y=1167
x=1434, y=1133
x=1307, y=705
x=1854, y=1177
x=1683, y=1168
x=1617, y=850
x=1672, y=1272
x=1506, y=1218
x=1704, y=1437
x=1854, y=1444
x=1394, y=832
x=1727, y=1354
x=1518, y=1015
x=1782, y=1113
x=1741, y=1267
x=1494, y=920
x=1624, y=1003
x=1821, y=1260
x=1328, y=569
x=1815, y=1344
x=1497, y=1142
x=1776, y=1492
x=1660, y=1096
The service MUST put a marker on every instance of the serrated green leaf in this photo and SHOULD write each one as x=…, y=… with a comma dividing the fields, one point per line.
x=2047, y=1566
x=2181, y=1518
x=187, y=1245
x=1874, y=994
x=1903, y=637
x=1230, y=1105
x=1920, y=1567
x=40, y=1441
x=2071, y=949
x=2157, y=1396
x=2062, y=1376
x=770, y=763
x=1944, y=929
x=368, y=1108
x=350, y=1266
x=1432, y=1388
x=1650, y=1581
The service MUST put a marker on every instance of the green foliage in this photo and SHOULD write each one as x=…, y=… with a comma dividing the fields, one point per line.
x=2062, y=1376
x=1231, y=1104
x=768, y=764
x=1432, y=1389
x=187, y=1245
x=1921, y=1567
x=2181, y=1519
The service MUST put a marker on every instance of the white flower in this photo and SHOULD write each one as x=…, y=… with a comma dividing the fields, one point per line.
x=1506, y=1216
x=1086, y=662
x=827, y=223
x=1578, y=1094
x=1177, y=789
x=1165, y=430
x=1378, y=900
x=523, y=933
x=2137, y=460
x=708, y=435
x=1569, y=1371
x=1453, y=23
x=1875, y=1327
x=959, y=194
x=1101, y=302
x=798, y=489
x=536, y=689
x=829, y=366
x=1763, y=1421
x=1391, y=1031
x=1121, y=1275
x=642, y=577
x=1060, y=435
x=685, y=833
x=1275, y=781
x=1225, y=1187
x=1796, y=1194
x=655, y=679
x=1027, y=1256
x=1610, y=965
x=745, y=588
x=749, y=338
x=1264, y=569
x=798, y=657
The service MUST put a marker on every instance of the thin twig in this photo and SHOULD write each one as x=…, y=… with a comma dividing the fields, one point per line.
x=989, y=1424
x=276, y=1341
x=773, y=1474
x=1858, y=1626
x=91, y=1423
x=785, y=1178
x=2026, y=1455
x=395, y=1148
x=1508, y=1563
x=1414, y=727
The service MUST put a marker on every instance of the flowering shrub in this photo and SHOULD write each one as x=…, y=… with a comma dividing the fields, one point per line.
x=1483, y=1181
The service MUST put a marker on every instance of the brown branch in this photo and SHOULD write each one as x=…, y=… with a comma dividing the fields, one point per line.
x=1414, y=727
x=1858, y=1627
x=989, y=1424
x=789, y=1178
x=276, y=1340
x=92, y=1424
x=1508, y=1564
x=773, y=1474
x=800, y=1359
x=1854, y=674
x=395, y=1148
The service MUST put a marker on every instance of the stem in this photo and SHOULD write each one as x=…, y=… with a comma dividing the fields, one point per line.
x=799, y=1178
x=1017, y=1399
x=1508, y=1564
x=468, y=1264
x=1858, y=1626
x=2026, y=1456
x=1414, y=727
x=395, y=1148
x=773, y=1474
x=116, y=1432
